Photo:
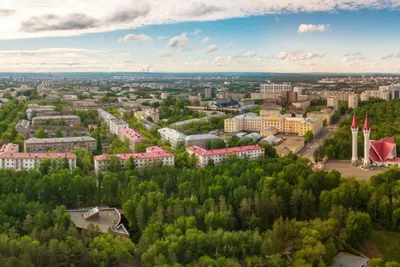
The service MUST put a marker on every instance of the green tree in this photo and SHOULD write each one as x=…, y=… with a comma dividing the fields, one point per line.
x=40, y=133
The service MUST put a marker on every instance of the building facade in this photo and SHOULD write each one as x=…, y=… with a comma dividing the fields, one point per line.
x=70, y=120
x=216, y=156
x=12, y=159
x=154, y=156
x=63, y=144
x=353, y=101
x=276, y=88
x=248, y=122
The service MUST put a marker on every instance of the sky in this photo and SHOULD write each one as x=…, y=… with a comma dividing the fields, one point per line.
x=200, y=36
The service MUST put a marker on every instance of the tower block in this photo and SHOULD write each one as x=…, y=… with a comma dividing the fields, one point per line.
x=354, y=138
x=367, y=132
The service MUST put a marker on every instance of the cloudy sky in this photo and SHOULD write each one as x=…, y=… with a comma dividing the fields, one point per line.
x=200, y=35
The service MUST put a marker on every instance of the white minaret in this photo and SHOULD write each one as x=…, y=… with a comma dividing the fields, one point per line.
x=367, y=131
x=354, y=135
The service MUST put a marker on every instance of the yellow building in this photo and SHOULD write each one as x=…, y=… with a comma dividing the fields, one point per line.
x=283, y=124
x=325, y=113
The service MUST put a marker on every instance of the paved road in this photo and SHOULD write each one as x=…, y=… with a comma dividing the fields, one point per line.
x=308, y=150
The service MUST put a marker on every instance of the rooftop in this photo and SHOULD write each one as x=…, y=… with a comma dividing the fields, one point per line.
x=60, y=140
x=203, y=152
x=58, y=117
x=10, y=151
x=104, y=217
x=151, y=152
x=132, y=134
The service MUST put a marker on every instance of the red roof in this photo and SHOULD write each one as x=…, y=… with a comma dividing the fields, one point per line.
x=132, y=135
x=53, y=155
x=151, y=152
x=380, y=149
x=366, y=123
x=203, y=152
x=354, y=122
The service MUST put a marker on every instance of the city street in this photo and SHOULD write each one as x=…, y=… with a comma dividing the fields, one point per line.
x=327, y=132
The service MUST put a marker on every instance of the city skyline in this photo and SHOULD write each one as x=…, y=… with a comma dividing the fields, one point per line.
x=200, y=36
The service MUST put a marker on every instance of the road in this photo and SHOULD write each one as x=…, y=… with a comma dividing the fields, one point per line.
x=327, y=132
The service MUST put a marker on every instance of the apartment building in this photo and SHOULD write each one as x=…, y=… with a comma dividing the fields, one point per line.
x=216, y=156
x=177, y=139
x=63, y=144
x=114, y=124
x=154, y=156
x=249, y=122
x=146, y=113
x=353, y=101
x=276, y=88
x=70, y=120
x=270, y=109
x=325, y=113
x=333, y=102
x=12, y=159
x=39, y=110
x=132, y=136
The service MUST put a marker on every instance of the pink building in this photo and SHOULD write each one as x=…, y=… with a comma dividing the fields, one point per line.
x=217, y=155
x=11, y=158
x=153, y=156
x=132, y=136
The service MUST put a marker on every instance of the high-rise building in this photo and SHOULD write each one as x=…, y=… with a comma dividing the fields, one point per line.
x=333, y=102
x=208, y=93
x=353, y=101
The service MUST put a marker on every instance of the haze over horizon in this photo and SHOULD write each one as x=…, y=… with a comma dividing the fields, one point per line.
x=200, y=36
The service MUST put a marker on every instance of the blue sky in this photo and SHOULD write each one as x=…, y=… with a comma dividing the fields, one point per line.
x=306, y=36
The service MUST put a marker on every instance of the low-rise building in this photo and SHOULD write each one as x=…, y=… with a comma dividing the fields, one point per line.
x=154, y=156
x=88, y=103
x=200, y=140
x=204, y=157
x=132, y=136
x=172, y=137
x=270, y=109
x=70, y=120
x=23, y=127
x=147, y=113
x=11, y=158
x=250, y=122
x=290, y=146
x=63, y=144
x=39, y=110
x=302, y=104
x=325, y=113
x=107, y=219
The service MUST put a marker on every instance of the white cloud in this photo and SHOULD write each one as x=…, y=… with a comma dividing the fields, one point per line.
x=296, y=56
x=143, y=38
x=211, y=49
x=34, y=19
x=179, y=42
x=303, y=28
x=165, y=53
x=196, y=32
x=162, y=37
x=205, y=40
x=244, y=55
x=353, y=57
x=229, y=45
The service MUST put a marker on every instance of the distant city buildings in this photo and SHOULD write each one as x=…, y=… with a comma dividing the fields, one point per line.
x=154, y=156
x=216, y=156
x=269, y=88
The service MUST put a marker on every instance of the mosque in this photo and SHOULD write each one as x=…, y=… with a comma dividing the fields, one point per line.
x=376, y=152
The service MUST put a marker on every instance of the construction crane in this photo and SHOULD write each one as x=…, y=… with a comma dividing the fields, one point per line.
x=148, y=68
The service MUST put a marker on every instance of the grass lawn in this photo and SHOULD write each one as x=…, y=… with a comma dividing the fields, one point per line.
x=383, y=243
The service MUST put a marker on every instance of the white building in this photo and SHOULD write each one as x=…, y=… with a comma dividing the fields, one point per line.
x=353, y=101
x=276, y=88
x=204, y=157
x=333, y=102
x=172, y=136
x=153, y=156
x=12, y=159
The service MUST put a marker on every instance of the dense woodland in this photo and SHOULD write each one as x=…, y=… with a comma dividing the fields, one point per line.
x=269, y=212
